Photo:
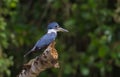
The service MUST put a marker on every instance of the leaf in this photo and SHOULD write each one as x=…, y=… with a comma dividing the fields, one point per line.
x=102, y=51
x=68, y=69
x=85, y=71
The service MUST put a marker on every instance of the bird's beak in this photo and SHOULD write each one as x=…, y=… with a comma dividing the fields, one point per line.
x=62, y=29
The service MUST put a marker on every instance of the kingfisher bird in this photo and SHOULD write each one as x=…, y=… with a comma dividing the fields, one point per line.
x=48, y=38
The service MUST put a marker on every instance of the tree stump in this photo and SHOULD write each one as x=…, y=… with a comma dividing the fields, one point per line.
x=48, y=59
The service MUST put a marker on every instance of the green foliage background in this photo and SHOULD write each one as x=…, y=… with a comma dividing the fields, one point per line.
x=90, y=49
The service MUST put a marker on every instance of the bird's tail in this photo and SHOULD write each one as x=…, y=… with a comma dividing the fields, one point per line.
x=28, y=53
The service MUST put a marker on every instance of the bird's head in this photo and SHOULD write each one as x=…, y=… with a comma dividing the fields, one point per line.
x=55, y=26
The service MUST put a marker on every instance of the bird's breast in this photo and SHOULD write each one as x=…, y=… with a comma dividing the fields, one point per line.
x=53, y=34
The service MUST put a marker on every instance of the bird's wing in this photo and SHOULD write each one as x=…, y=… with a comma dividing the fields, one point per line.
x=45, y=40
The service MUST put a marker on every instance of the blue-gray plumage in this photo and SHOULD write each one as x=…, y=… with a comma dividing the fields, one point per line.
x=48, y=38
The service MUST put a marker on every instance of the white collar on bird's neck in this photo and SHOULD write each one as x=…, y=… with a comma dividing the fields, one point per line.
x=52, y=30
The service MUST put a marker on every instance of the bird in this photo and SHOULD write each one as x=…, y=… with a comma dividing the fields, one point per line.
x=48, y=38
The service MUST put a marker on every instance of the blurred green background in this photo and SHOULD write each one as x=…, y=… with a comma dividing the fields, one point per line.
x=90, y=49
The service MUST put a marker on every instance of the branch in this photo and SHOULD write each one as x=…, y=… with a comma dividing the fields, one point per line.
x=48, y=59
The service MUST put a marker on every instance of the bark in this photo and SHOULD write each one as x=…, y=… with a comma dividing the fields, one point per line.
x=48, y=59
